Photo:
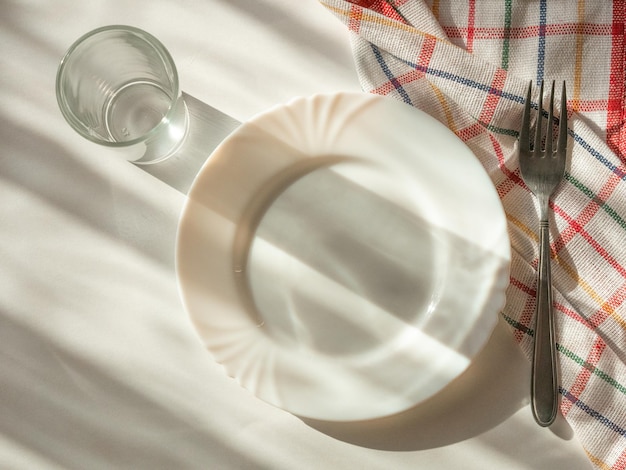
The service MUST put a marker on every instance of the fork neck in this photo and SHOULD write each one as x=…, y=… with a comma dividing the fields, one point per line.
x=544, y=208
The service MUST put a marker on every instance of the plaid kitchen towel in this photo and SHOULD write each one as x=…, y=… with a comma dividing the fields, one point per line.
x=468, y=64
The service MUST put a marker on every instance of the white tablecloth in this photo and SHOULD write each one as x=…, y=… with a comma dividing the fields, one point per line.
x=100, y=366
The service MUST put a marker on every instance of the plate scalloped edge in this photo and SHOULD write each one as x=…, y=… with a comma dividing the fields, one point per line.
x=319, y=309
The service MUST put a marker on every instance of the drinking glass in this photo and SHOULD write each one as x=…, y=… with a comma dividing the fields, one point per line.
x=118, y=86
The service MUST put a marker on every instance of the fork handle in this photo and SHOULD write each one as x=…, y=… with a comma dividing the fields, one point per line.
x=544, y=387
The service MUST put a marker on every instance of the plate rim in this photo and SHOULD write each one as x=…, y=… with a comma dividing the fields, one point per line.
x=277, y=108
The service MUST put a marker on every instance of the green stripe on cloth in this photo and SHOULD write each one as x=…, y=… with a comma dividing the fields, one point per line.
x=518, y=326
x=508, y=7
x=588, y=192
x=591, y=368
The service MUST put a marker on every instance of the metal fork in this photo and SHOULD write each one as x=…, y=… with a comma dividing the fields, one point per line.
x=542, y=171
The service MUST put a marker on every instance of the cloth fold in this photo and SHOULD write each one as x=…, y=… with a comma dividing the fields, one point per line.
x=468, y=64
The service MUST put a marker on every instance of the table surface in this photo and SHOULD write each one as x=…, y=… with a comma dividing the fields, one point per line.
x=100, y=366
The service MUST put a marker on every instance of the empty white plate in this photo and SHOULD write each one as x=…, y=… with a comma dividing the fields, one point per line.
x=343, y=256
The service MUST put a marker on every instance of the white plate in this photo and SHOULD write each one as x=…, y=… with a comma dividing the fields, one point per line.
x=343, y=256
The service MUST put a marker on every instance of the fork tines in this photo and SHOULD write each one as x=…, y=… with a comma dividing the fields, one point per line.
x=524, y=136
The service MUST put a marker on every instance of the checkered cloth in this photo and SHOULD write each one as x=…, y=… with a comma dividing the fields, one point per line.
x=468, y=64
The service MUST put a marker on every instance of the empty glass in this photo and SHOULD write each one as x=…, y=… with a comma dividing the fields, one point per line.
x=118, y=86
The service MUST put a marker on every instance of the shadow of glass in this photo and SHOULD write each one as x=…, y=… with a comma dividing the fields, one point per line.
x=208, y=127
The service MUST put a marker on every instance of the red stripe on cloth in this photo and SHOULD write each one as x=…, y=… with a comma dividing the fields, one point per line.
x=363, y=3
x=512, y=177
x=426, y=54
x=573, y=314
x=403, y=79
x=526, y=32
x=509, y=182
x=582, y=379
x=493, y=97
x=620, y=463
x=356, y=15
x=390, y=12
x=590, y=210
x=388, y=86
x=469, y=132
x=381, y=6
x=608, y=307
x=471, y=20
x=592, y=105
x=615, y=131
x=528, y=310
x=488, y=110
x=592, y=242
x=523, y=287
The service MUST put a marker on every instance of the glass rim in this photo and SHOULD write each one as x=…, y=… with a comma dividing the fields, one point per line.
x=76, y=123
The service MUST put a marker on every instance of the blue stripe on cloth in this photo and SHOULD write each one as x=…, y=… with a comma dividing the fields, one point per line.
x=593, y=413
x=392, y=79
x=486, y=88
x=520, y=99
x=598, y=156
x=466, y=81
